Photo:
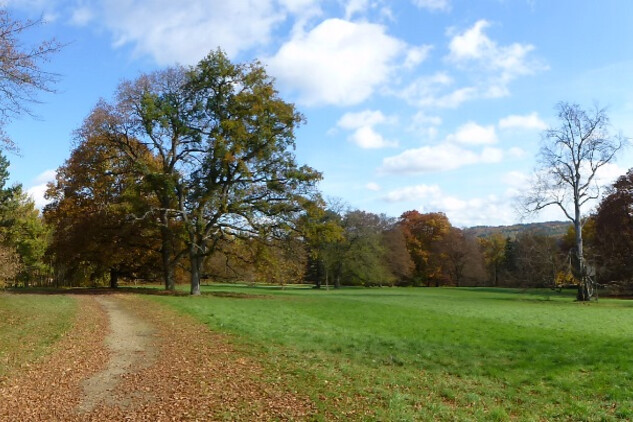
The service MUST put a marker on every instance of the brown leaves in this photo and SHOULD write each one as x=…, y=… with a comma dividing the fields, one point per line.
x=196, y=376
x=50, y=389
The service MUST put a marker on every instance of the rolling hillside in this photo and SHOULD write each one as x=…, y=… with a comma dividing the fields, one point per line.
x=549, y=228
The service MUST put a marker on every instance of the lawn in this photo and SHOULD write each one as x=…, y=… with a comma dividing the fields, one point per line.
x=29, y=324
x=434, y=354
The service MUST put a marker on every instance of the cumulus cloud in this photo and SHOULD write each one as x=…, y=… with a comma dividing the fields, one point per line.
x=185, y=31
x=528, y=121
x=473, y=134
x=440, y=157
x=437, y=91
x=338, y=62
x=424, y=125
x=416, y=55
x=465, y=212
x=609, y=173
x=433, y=5
x=473, y=47
x=363, y=118
x=364, y=134
x=486, y=70
x=413, y=193
x=37, y=191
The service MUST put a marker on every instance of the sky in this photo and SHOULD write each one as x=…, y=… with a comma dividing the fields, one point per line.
x=434, y=105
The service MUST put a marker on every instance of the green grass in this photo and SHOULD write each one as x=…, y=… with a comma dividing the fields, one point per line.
x=434, y=354
x=29, y=325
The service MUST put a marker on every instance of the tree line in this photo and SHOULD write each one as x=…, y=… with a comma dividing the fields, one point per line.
x=93, y=234
x=189, y=173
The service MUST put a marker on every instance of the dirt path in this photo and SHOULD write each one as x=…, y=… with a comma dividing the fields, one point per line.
x=130, y=349
x=128, y=358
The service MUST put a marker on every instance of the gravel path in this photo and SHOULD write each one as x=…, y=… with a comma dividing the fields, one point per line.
x=128, y=358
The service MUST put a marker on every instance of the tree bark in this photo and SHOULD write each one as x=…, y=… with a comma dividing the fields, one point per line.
x=166, y=252
x=196, y=261
x=578, y=264
x=114, y=278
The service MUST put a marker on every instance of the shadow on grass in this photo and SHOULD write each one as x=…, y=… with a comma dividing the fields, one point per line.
x=98, y=291
x=93, y=291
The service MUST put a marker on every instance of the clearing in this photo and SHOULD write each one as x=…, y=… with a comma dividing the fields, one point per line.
x=264, y=353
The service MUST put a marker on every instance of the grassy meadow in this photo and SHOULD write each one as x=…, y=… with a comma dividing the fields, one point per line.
x=29, y=324
x=434, y=354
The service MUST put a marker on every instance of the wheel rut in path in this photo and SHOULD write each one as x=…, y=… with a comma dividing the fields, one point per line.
x=131, y=350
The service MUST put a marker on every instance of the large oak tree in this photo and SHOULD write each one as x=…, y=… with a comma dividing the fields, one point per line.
x=221, y=141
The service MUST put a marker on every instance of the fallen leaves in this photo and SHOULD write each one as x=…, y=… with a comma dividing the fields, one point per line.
x=197, y=376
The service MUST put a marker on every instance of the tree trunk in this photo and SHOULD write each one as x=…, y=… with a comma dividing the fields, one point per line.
x=319, y=271
x=196, y=261
x=114, y=278
x=166, y=252
x=578, y=263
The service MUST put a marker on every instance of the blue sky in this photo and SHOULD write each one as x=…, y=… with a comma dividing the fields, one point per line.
x=435, y=105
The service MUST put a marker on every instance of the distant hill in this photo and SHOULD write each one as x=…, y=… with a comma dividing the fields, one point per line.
x=549, y=228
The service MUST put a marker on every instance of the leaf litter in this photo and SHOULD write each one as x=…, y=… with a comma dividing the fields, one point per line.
x=127, y=358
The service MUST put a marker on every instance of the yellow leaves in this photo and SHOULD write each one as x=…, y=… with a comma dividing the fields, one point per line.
x=564, y=278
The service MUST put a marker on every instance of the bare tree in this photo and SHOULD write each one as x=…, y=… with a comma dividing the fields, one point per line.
x=21, y=73
x=568, y=162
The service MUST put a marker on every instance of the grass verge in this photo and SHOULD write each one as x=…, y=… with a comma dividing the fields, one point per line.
x=30, y=324
x=434, y=354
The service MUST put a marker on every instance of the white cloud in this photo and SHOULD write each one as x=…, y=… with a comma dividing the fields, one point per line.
x=413, y=193
x=464, y=212
x=424, y=125
x=609, y=173
x=433, y=5
x=475, y=211
x=38, y=190
x=417, y=55
x=421, y=118
x=45, y=177
x=368, y=138
x=474, y=48
x=82, y=16
x=436, y=91
x=472, y=43
x=363, y=118
x=473, y=134
x=486, y=69
x=37, y=194
x=374, y=187
x=337, y=62
x=355, y=6
x=364, y=135
x=441, y=157
x=186, y=31
x=528, y=121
